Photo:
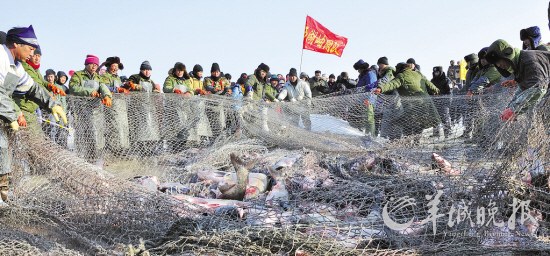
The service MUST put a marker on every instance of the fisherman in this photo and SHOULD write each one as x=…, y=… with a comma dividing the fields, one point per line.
x=20, y=45
x=142, y=81
x=256, y=88
x=464, y=106
x=361, y=115
x=443, y=83
x=418, y=112
x=531, y=39
x=196, y=83
x=90, y=134
x=531, y=72
x=484, y=81
x=30, y=110
x=297, y=90
x=114, y=82
x=318, y=84
x=216, y=83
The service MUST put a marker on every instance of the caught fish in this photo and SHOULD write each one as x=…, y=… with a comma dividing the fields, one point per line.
x=212, y=175
x=278, y=193
x=236, y=191
x=444, y=165
x=286, y=162
x=210, y=203
x=173, y=188
x=149, y=182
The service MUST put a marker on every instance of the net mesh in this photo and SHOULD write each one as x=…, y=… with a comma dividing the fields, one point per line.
x=443, y=175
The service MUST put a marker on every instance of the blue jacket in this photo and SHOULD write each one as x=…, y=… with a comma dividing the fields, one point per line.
x=368, y=80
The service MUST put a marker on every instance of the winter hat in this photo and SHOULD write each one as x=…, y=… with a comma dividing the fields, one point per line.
x=50, y=72
x=2, y=37
x=38, y=51
x=22, y=35
x=360, y=64
x=531, y=33
x=112, y=60
x=481, y=54
x=292, y=72
x=438, y=68
x=91, y=59
x=317, y=72
x=227, y=76
x=241, y=80
x=383, y=60
x=472, y=57
x=273, y=78
x=179, y=66
x=263, y=67
x=197, y=68
x=331, y=76
x=304, y=75
x=243, y=76
x=400, y=67
x=344, y=75
x=215, y=67
x=60, y=74
x=411, y=61
x=145, y=66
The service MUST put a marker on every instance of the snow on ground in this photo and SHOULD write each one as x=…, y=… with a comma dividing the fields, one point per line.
x=328, y=123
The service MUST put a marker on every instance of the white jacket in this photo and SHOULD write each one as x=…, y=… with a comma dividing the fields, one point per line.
x=295, y=93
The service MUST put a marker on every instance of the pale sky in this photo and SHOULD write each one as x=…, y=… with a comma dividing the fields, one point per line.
x=241, y=34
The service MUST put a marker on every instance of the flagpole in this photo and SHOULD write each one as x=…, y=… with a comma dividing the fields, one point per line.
x=301, y=58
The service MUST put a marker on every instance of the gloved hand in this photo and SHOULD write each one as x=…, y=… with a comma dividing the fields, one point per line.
x=509, y=83
x=21, y=121
x=507, y=115
x=201, y=92
x=377, y=91
x=57, y=112
x=14, y=126
x=366, y=102
x=158, y=88
x=470, y=93
x=187, y=95
x=56, y=90
x=123, y=90
x=95, y=94
x=107, y=101
x=178, y=91
x=229, y=92
x=131, y=85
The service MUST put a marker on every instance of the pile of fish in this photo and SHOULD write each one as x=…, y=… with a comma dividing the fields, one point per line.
x=320, y=195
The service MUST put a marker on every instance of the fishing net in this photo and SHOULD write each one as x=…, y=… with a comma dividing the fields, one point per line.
x=439, y=174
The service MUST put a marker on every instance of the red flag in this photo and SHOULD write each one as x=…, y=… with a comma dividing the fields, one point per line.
x=317, y=38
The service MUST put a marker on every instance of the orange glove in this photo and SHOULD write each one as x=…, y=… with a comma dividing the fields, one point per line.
x=131, y=85
x=507, y=115
x=509, y=83
x=56, y=90
x=377, y=91
x=95, y=94
x=107, y=101
x=123, y=90
x=178, y=91
x=21, y=120
x=201, y=92
x=366, y=102
x=187, y=95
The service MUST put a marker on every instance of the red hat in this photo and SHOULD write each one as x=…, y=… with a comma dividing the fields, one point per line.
x=91, y=59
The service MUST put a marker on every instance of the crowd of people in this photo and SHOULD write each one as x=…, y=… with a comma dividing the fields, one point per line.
x=26, y=90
